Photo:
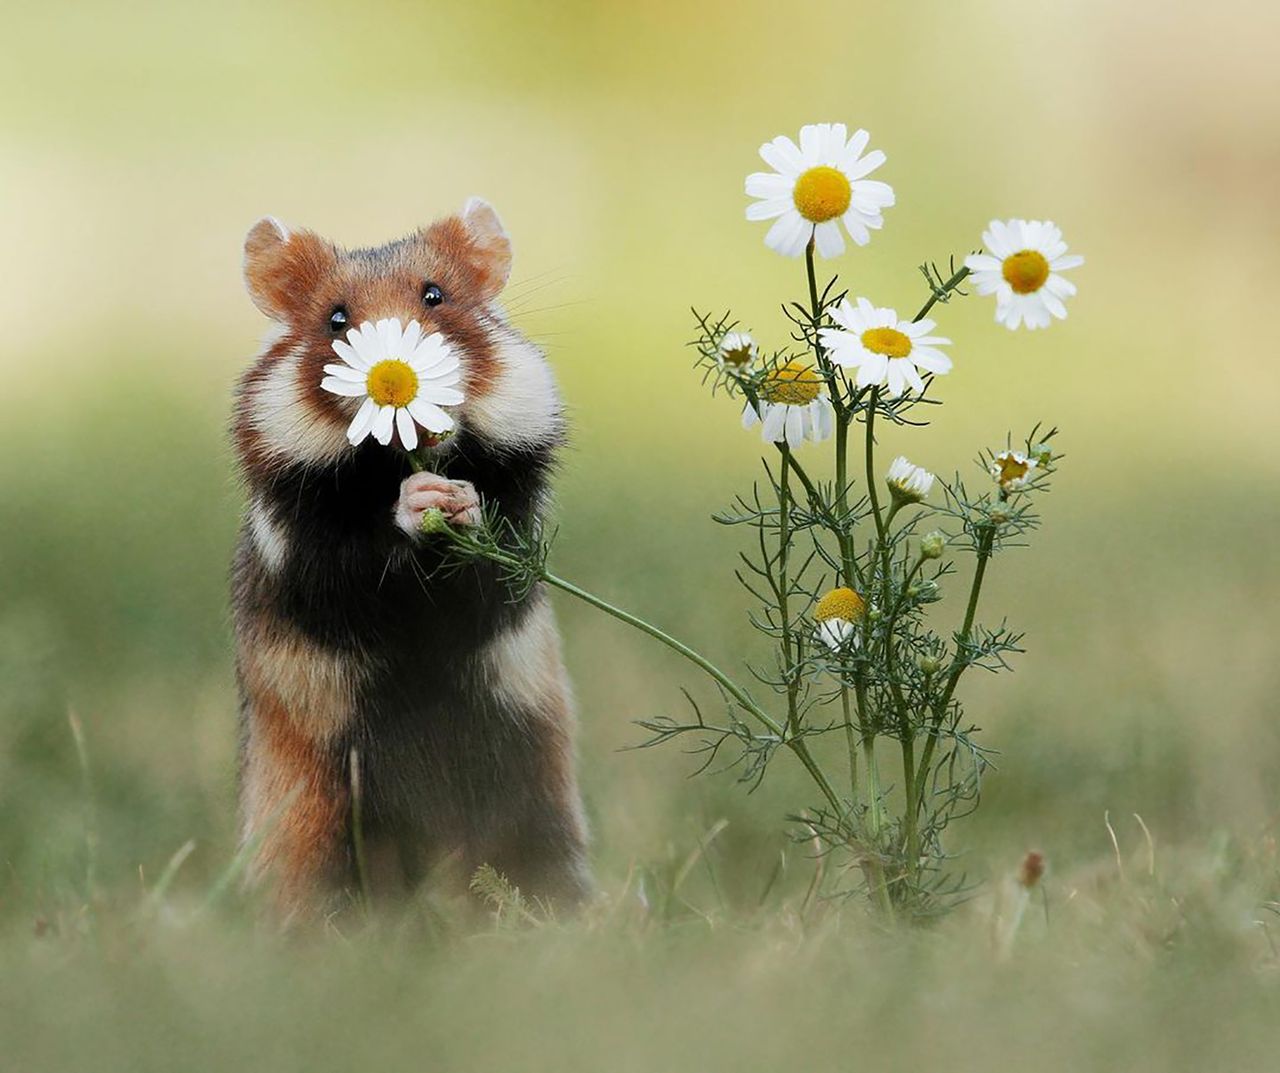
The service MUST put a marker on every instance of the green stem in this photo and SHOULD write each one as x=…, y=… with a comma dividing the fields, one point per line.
x=985, y=543
x=946, y=288
x=784, y=546
x=796, y=745
x=851, y=742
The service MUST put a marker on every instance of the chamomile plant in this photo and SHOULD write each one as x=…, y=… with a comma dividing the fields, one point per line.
x=850, y=560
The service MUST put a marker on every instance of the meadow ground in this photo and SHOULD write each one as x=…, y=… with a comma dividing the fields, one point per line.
x=139, y=143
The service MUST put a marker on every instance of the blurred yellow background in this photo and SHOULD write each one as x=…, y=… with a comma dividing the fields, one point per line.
x=139, y=141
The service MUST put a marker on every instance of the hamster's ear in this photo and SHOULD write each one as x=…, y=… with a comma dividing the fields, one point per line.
x=491, y=248
x=282, y=268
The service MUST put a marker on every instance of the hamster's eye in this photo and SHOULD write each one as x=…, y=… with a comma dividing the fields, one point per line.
x=431, y=294
x=338, y=320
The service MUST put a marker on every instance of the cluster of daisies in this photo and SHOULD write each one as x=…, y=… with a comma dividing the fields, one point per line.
x=815, y=188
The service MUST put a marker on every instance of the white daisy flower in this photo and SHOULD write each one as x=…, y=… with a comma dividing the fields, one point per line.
x=403, y=377
x=907, y=482
x=1022, y=270
x=793, y=406
x=886, y=351
x=836, y=615
x=814, y=186
x=737, y=351
x=1013, y=470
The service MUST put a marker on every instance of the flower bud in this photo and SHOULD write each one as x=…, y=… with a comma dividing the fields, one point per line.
x=929, y=665
x=933, y=544
x=908, y=483
x=433, y=521
x=999, y=516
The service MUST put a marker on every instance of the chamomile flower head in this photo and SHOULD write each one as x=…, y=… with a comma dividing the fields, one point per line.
x=836, y=615
x=907, y=482
x=737, y=352
x=403, y=377
x=793, y=406
x=1013, y=470
x=816, y=186
x=1023, y=268
x=887, y=352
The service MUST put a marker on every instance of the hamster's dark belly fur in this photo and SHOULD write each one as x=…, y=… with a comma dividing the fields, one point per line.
x=451, y=695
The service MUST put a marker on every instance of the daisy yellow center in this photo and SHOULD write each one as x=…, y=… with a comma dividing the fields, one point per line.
x=1025, y=271
x=1011, y=469
x=392, y=383
x=794, y=384
x=822, y=194
x=887, y=341
x=737, y=356
x=841, y=604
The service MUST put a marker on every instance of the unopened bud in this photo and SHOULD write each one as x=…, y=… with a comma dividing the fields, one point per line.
x=1042, y=453
x=999, y=516
x=929, y=665
x=433, y=521
x=933, y=544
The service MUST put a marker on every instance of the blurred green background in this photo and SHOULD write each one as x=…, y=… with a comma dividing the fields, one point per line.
x=139, y=141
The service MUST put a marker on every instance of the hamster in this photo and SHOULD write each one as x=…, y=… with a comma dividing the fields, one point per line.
x=349, y=640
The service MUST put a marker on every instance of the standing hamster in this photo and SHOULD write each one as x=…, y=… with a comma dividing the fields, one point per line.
x=348, y=636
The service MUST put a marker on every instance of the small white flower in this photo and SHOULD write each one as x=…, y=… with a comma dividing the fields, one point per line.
x=908, y=482
x=815, y=185
x=403, y=378
x=738, y=351
x=1022, y=270
x=793, y=406
x=1013, y=470
x=836, y=615
x=886, y=351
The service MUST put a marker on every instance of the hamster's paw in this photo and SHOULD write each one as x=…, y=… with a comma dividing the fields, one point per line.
x=421, y=492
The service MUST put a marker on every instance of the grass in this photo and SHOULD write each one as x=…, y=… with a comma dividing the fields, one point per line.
x=125, y=943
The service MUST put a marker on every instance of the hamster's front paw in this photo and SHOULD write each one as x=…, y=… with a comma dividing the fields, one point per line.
x=421, y=492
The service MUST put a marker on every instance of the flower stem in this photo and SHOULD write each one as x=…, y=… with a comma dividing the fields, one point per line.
x=945, y=289
x=795, y=744
x=985, y=543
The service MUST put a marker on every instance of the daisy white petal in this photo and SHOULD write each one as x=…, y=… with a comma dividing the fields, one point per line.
x=345, y=388
x=406, y=430
x=384, y=424
x=362, y=423
x=430, y=416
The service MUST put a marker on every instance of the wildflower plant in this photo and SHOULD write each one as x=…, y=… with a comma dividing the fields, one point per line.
x=850, y=562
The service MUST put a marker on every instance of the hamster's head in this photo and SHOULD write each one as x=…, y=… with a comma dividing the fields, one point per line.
x=447, y=277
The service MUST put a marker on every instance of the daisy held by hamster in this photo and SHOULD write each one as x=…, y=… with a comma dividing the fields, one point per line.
x=349, y=638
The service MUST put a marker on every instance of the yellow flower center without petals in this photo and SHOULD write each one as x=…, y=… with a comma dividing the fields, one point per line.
x=822, y=194
x=887, y=341
x=795, y=384
x=392, y=383
x=842, y=604
x=1025, y=271
x=1011, y=468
